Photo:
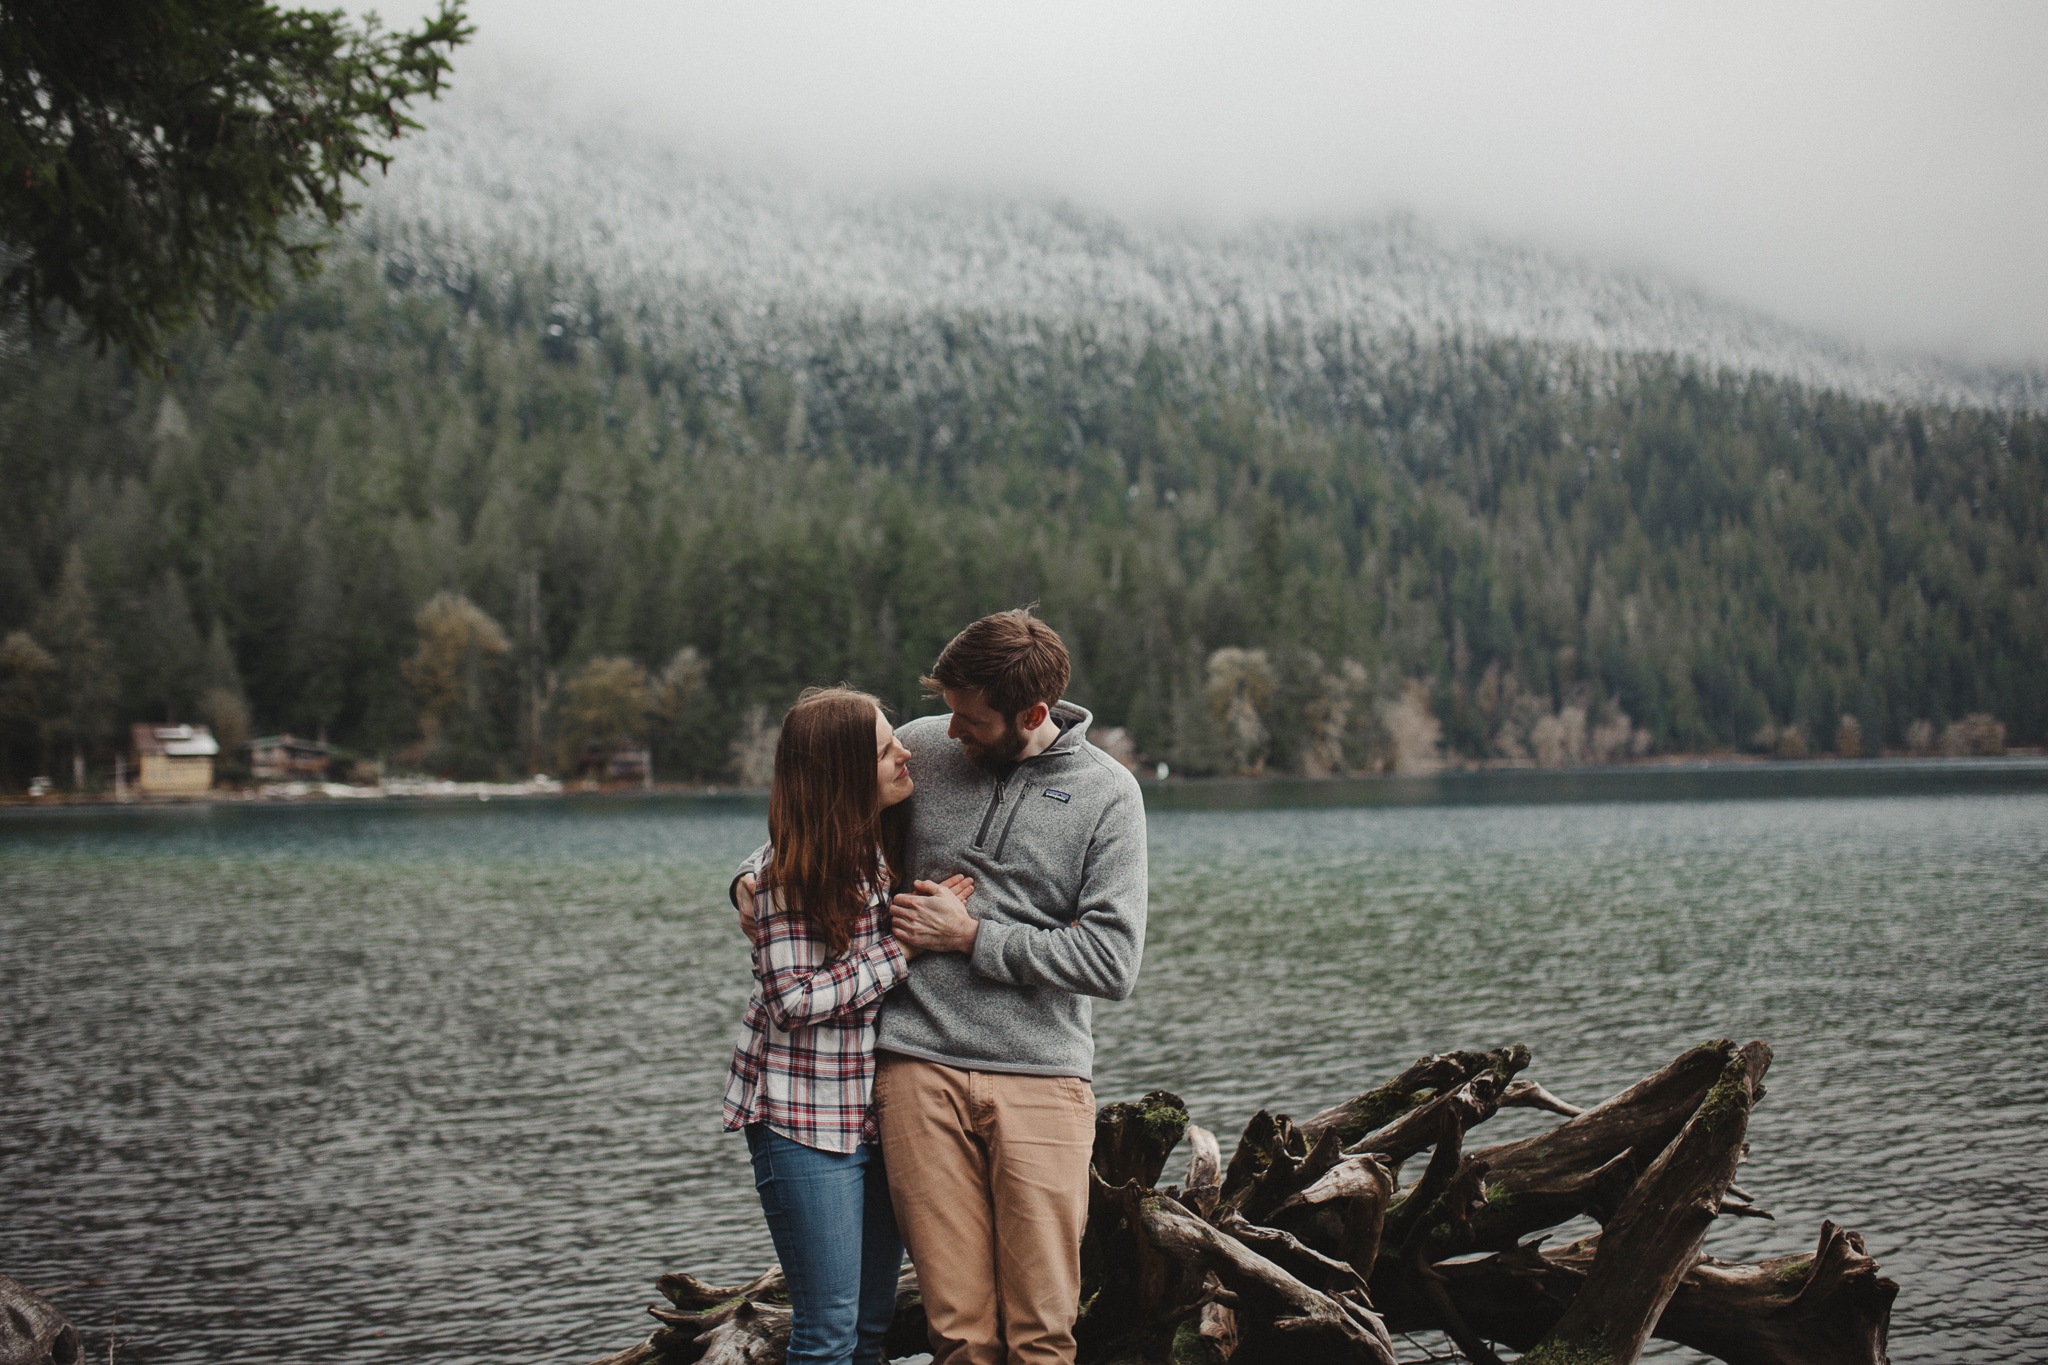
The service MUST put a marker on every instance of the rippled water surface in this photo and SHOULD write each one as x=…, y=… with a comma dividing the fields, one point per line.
x=440, y=1083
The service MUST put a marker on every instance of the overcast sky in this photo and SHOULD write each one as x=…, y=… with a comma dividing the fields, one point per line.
x=1876, y=169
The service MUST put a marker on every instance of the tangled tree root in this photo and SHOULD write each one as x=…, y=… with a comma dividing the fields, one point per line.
x=1307, y=1248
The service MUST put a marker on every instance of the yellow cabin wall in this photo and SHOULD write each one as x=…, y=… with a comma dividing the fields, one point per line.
x=162, y=773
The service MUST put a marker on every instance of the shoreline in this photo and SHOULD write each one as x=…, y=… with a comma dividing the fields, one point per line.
x=406, y=791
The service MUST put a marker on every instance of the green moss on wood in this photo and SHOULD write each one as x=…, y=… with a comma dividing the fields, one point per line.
x=1592, y=1352
x=1164, y=1118
x=1729, y=1098
x=1378, y=1107
x=1795, y=1270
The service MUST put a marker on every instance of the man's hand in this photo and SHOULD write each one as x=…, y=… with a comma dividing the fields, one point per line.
x=934, y=920
x=743, y=901
x=960, y=884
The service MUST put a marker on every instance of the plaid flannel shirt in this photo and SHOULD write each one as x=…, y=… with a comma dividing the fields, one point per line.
x=805, y=1063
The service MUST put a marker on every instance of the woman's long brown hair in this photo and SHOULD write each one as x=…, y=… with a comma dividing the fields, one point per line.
x=825, y=818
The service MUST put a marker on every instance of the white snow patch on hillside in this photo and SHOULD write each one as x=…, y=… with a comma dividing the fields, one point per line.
x=681, y=235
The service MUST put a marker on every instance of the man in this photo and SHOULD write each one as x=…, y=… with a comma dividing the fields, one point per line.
x=986, y=1050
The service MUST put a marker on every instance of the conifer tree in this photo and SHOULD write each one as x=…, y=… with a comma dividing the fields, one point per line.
x=81, y=710
x=26, y=673
x=162, y=163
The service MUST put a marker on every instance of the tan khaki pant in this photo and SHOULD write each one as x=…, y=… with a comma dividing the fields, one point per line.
x=989, y=1176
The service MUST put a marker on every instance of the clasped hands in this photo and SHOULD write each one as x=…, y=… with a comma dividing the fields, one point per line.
x=931, y=918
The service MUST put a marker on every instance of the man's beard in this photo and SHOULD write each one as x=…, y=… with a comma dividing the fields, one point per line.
x=1003, y=752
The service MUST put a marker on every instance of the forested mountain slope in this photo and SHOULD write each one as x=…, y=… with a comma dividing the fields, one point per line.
x=714, y=255
x=1297, y=539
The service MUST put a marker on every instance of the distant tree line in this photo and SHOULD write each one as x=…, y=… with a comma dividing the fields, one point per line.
x=491, y=521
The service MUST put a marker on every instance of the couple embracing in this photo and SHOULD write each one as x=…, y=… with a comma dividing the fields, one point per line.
x=912, y=1073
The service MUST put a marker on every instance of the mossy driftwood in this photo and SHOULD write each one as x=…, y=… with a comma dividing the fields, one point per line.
x=1307, y=1247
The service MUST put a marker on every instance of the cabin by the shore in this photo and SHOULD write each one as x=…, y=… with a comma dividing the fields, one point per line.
x=628, y=762
x=173, y=760
x=287, y=758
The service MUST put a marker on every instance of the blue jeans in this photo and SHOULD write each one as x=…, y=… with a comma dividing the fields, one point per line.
x=835, y=1235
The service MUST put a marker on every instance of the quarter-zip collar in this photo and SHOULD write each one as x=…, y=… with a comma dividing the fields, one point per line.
x=1073, y=722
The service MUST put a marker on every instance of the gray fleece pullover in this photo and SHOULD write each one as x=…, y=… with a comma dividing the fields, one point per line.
x=1056, y=847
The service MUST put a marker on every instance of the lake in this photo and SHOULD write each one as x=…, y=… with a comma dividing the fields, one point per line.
x=440, y=1082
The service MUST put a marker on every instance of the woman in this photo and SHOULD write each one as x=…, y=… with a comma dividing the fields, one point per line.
x=802, y=1079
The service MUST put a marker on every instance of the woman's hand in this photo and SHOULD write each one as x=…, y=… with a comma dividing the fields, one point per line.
x=934, y=920
x=959, y=885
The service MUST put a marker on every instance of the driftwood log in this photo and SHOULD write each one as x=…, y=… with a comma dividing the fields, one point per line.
x=32, y=1331
x=1306, y=1246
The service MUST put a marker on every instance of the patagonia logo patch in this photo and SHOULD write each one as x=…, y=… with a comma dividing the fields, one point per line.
x=1057, y=795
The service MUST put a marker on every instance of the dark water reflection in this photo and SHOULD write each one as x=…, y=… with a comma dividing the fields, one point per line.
x=440, y=1083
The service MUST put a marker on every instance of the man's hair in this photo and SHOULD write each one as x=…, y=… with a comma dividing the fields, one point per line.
x=1013, y=659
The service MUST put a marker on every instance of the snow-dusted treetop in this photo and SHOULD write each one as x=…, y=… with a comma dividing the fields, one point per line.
x=682, y=235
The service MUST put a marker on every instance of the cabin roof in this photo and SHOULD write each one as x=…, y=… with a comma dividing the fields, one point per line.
x=292, y=742
x=174, y=741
